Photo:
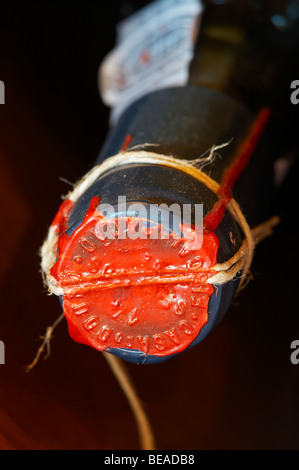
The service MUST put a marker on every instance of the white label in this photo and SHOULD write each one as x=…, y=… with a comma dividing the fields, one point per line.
x=153, y=51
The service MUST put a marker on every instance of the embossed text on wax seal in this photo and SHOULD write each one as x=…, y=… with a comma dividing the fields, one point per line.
x=143, y=294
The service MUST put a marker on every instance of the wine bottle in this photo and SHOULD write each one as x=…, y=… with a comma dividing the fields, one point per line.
x=147, y=284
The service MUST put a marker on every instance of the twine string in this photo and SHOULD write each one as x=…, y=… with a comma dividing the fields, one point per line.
x=241, y=261
x=146, y=434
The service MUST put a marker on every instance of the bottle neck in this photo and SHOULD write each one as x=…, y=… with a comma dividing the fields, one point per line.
x=249, y=50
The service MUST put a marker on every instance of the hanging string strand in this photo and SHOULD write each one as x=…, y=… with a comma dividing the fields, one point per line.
x=146, y=434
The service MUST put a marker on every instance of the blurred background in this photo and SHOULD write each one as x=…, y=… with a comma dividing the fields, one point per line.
x=237, y=390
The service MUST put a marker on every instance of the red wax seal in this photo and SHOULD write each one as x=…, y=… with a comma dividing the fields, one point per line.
x=145, y=294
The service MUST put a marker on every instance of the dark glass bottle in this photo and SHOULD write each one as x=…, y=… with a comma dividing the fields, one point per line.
x=244, y=61
x=250, y=51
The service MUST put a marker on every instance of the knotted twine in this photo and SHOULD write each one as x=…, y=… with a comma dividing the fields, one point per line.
x=225, y=272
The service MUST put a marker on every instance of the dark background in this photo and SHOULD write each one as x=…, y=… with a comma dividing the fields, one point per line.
x=236, y=390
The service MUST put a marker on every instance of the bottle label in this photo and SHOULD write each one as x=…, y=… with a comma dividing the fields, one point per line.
x=153, y=51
